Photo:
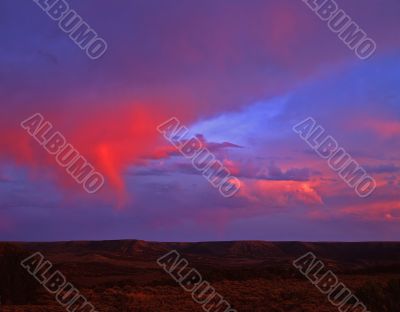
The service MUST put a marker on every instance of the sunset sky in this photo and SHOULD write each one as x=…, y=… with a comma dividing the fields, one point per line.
x=237, y=73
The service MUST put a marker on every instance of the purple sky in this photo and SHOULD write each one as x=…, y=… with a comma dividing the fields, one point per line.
x=239, y=74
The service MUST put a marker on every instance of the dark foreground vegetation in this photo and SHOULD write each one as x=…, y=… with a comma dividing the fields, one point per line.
x=253, y=276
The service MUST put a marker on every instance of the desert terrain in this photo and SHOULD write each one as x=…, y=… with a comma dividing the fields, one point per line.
x=253, y=276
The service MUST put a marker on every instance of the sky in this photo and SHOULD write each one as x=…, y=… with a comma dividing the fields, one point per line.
x=239, y=74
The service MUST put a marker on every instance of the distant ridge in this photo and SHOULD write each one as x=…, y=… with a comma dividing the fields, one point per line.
x=337, y=251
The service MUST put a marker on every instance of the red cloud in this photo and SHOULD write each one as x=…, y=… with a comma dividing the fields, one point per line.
x=110, y=140
x=281, y=193
x=385, y=128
